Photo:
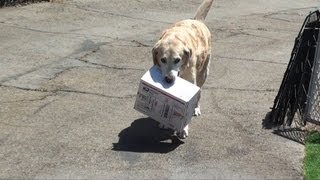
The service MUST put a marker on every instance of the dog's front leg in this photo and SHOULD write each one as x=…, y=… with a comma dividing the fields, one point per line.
x=184, y=133
x=191, y=76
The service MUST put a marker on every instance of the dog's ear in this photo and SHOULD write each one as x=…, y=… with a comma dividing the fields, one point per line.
x=187, y=53
x=154, y=54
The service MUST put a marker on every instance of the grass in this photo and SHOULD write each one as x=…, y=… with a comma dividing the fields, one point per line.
x=312, y=157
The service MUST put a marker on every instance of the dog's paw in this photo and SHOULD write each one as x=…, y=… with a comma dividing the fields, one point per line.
x=184, y=133
x=197, y=111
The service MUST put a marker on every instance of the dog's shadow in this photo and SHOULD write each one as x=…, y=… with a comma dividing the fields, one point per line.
x=144, y=135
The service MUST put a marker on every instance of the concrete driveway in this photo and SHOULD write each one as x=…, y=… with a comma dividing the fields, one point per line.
x=69, y=73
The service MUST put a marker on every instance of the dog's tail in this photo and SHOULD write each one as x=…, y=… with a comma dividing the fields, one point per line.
x=203, y=10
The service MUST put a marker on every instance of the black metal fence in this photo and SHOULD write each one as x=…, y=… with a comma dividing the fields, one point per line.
x=15, y=2
x=313, y=99
x=299, y=93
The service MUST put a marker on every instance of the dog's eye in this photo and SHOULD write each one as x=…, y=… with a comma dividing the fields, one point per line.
x=177, y=60
x=163, y=60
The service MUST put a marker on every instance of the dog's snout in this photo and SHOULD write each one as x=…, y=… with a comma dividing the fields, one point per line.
x=169, y=79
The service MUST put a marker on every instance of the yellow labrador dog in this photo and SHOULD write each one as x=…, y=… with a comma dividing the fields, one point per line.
x=184, y=50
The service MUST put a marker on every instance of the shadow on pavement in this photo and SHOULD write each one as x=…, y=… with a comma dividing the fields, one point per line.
x=267, y=122
x=144, y=135
x=292, y=133
x=295, y=134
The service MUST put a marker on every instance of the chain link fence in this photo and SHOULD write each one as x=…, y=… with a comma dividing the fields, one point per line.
x=299, y=93
x=313, y=98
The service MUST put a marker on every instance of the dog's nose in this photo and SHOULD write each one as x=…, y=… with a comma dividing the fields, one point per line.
x=169, y=79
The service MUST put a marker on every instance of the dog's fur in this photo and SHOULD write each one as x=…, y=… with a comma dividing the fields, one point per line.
x=184, y=49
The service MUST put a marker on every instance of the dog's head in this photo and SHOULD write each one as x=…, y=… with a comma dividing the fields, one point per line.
x=170, y=56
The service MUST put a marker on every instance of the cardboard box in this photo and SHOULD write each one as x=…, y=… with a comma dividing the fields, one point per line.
x=170, y=104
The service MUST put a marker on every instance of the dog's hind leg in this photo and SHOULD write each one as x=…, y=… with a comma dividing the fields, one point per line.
x=204, y=72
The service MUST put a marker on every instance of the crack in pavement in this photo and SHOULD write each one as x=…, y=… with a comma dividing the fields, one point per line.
x=70, y=91
x=239, y=89
x=274, y=18
x=248, y=59
x=16, y=76
x=83, y=59
x=135, y=42
x=140, y=44
x=34, y=112
x=43, y=106
x=26, y=89
x=89, y=49
x=34, y=69
x=63, y=70
x=54, y=32
x=279, y=11
x=29, y=100
x=240, y=28
x=78, y=34
x=258, y=36
x=92, y=48
x=115, y=14
x=111, y=67
x=241, y=31
x=98, y=94
x=54, y=75
x=285, y=12
x=14, y=125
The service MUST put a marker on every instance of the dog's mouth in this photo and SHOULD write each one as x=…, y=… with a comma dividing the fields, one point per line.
x=171, y=78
